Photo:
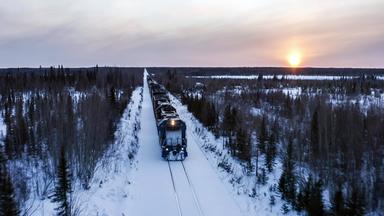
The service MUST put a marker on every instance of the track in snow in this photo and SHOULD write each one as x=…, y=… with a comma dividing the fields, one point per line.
x=192, y=189
x=175, y=191
x=188, y=188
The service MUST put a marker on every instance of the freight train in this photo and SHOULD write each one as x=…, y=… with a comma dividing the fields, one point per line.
x=171, y=129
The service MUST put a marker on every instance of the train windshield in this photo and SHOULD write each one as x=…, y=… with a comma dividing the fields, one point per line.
x=174, y=137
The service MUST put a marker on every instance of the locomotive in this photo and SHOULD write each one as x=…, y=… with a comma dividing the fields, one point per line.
x=171, y=129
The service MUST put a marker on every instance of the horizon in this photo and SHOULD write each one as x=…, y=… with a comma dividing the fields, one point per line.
x=175, y=67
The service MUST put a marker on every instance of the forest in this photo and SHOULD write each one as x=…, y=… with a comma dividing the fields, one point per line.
x=327, y=135
x=59, y=122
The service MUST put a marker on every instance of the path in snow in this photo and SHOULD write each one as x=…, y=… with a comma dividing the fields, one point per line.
x=153, y=191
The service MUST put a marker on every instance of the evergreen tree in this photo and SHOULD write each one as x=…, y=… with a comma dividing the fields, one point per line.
x=8, y=204
x=270, y=153
x=315, y=135
x=262, y=135
x=310, y=198
x=300, y=201
x=355, y=204
x=315, y=203
x=338, y=206
x=287, y=181
x=243, y=147
x=63, y=187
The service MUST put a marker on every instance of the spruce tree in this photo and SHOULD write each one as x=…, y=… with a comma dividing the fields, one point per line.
x=315, y=203
x=310, y=198
x=262, y=135
x=62, y=191
x=287, y=181
x=338, y=206
x=270, y=153
x=315, y=136
x=8, y=204
x=355, y=204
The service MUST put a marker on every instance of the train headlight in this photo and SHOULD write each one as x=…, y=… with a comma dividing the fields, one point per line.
x=166, y=149
x=173, y=122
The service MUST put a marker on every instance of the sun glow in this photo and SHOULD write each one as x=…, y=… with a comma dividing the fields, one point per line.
x=294, y=59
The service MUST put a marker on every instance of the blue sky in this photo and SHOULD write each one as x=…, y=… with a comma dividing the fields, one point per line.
x=328, y=33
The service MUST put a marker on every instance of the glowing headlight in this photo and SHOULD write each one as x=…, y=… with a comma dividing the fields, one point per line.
x=166, y=149
x=173, y=122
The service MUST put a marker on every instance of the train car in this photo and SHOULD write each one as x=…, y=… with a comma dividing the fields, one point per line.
x=171, y=129
x=165, y=110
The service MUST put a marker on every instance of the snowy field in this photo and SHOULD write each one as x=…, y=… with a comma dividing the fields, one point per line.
x=288, y=77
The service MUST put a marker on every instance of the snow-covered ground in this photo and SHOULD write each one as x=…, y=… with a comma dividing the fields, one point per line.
x=237, y=183
x=289, y=77
x=109, y=189
x=175, y=188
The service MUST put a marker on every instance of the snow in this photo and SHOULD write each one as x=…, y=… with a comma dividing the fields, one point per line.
x=207, y=151
x=110, y=185
x=152, y=191
x=133, y=179
x=3, y=128
x=256, y=111
x=196, y=191
x=289, y=77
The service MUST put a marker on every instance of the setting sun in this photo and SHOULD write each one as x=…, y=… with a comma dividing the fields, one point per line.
x=294, y=59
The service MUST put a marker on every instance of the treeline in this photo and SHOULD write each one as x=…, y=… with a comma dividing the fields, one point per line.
x=327, y=139
x=202, y=108
x=210, y=71
x=50, y=110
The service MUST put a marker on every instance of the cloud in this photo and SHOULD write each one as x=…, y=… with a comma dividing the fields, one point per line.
x=193, y=33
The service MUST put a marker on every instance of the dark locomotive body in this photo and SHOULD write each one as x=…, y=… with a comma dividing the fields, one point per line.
x=171, y=129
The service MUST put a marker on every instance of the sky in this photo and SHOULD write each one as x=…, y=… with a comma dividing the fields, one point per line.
x=327, y=33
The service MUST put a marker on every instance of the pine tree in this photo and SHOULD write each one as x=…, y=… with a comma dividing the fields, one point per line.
x=300, y=201
x=315, y=135
x=287, y=181
x=262, y=135
x=315, y=204
x=355, y=204
x=338, y=206
x=8, y=204
x=63, y=187
x=243, y=147
x=270, y=153
x=310, y=198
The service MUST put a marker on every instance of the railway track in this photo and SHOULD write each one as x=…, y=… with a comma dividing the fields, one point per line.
x=175, y=191
x=195, y=198
x=190, y=186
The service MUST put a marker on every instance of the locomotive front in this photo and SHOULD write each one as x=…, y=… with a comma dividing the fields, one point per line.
x=173, y=139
